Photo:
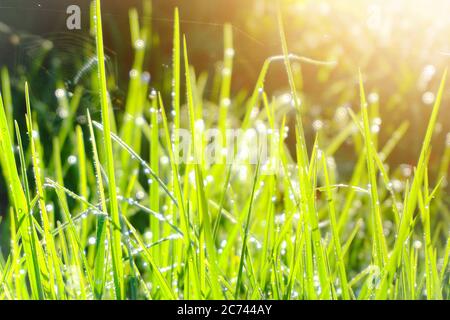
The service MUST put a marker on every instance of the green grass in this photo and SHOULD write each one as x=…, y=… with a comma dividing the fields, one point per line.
x=122, y=218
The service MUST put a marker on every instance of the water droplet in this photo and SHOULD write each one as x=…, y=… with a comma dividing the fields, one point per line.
x=92, y=241
x=200, y=125
x=72, y=159
x=428, y=97
x=406, y=170
x=226, y=102
x=164, y=160
x=417, y=244
x=286, y=98
x=60, y=93
x=139, y=121
x=373, y=97
x=139, y=44
x=226, y=72
x=317, y=125
x=134, y=73
x=229, y=52
x=145, y=77
x=140, y=195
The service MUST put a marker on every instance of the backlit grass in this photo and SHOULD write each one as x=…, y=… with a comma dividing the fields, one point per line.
x=123, y=218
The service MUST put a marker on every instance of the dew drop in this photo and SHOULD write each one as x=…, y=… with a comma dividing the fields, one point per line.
x=92, y=241
x=428, y=98
x=60, y=93
x=72, y=159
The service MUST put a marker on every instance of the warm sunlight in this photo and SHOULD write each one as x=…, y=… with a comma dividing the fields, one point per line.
x=253, y=150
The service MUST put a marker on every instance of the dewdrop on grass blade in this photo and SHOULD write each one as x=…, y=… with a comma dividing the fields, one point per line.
x=226, y=102
x=60, y=93
x=376, y=123
x=153, y=94
x=164, y=160
x=139, y=121
x=72, y=159
x=133, y=73
x=417, y=244
x=92, y=241
x=226, y=72
x=140, y=195
x=229, y=52
x=286, y=98
x=200, y=125
x=139, y=44
x=254, y=113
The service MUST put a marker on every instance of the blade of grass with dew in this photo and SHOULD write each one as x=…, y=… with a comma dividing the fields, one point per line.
x=30, y=239
x=83, y=183
x=154, y=164
x=71, y=107
x=176, y=77
x=101, y=222
x=56, y=279
x=77, y=258
x=58, y=171
x=380, y=247
x=6, y=294
x=116, y=247
x=411, y=202
x=23, y=169
x=444, y=269
x=259, y=87
x=221, y=203
x=15, y=256
x=178, y=198
x=7, y=99
x=73, y=235
x=183, y=212
x=138, y=158
x=160, y=278
x=137, y=88
x=335, y=234
x=432, y=277
x=227, y=71
x=246, y=230
x=206, y=226
x=305, y=183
